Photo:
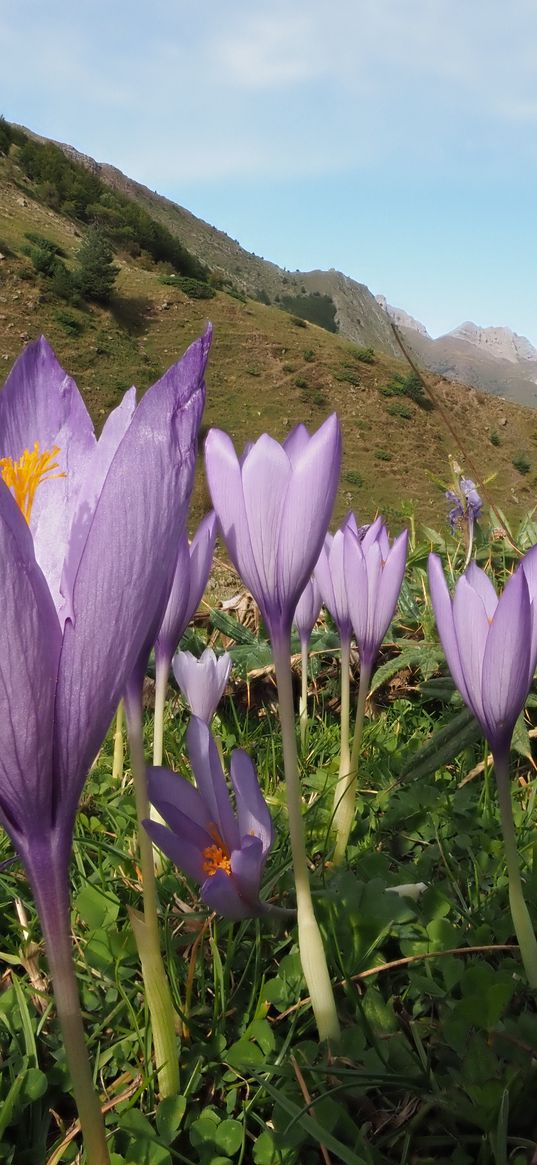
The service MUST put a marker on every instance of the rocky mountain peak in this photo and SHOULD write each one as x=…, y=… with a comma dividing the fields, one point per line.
x=499, y=342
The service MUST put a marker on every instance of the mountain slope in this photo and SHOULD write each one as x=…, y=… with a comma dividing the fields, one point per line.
x=268, y=370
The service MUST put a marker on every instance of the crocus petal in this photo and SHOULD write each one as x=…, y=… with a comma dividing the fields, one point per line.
x=30, y=642
x=266, y=475
x=120, y=589
x=356, y=584
x=252, y=812
x=506, y=660
x=295, y=442
x=222, y=895
x=306, y=515
x=201, y=557
x=38, y=400
x=224, y=478
x=389, y=587
x=330, y=574
x=166, y=787
x=529, y=566
x=41, y=403
x=175, y=618
x=178, y=847
x=246, y=867
x=471, y=629
x=481, y=584
x=95, y=470
x=308, y=609
x=443, y=612
x=210, y=780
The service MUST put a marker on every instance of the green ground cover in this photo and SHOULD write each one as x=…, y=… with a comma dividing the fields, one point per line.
x=437, y=1059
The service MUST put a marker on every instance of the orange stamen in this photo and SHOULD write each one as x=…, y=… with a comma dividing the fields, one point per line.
x=217, y=856
x=24, y=476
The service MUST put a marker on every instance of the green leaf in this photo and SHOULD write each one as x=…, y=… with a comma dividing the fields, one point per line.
x=232, y=628
x=521, y=742
x=96, y=908
x=169, y=1116
x=443, y=746
x=229, y=1136
x=244, y=1056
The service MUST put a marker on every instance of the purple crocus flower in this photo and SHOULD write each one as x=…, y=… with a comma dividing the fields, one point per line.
x=86, y=543
x=202, y=681
x=374, y=573
x=223, y=850
x=489, y=643
x=273, y=506
x=308, y=610
x=61, y=684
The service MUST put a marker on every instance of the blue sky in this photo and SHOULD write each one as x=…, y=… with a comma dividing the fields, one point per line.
x=393, y=139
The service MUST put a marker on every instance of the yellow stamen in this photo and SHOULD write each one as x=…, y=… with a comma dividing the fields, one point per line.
x=216, y=856
x=25, y=475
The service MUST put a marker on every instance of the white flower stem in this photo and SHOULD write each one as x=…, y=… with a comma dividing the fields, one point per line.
x=345, y=798
x=119, y=751
x=50, y=887
x=303, y=707
x=519, y=912
x=312, y=954
x=344, y=718
x=162, y=671
x=156, y=983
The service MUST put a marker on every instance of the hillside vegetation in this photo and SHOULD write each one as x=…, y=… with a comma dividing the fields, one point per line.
x=269, y=369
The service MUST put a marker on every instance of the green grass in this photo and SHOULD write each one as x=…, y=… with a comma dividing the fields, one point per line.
x=437, y=1053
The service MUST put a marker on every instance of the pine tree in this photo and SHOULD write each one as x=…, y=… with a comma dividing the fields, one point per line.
x=97, y=272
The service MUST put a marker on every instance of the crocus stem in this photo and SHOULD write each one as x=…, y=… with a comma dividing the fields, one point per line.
x=344, y=716
x=162, y=671
x=156, y=983
x=117, y=763
x=345, y=794
x=519, y=912
x=51, y=892
x=303, y=708
x=312, y=954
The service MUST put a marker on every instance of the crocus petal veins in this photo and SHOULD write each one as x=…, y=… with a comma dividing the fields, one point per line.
x=25, y=475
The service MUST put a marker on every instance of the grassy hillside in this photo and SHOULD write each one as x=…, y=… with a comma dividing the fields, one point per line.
x=268, y=370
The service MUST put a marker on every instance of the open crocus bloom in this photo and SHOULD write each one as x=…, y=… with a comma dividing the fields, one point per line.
x=489, y=642
x=202, y=681
x=223, y=850
x=87, y=543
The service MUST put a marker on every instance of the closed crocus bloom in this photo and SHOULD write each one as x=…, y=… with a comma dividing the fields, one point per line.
x=489, y=644
x=190, y=579
x=330, y=575
x=192, y=568
x=273, y=506
x=308, y=610
x=221, y=849
x=374, y=573
x=202, y=681
x=76, y=605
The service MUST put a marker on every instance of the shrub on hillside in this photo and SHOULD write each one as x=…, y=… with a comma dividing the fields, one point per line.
x=522, y=463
